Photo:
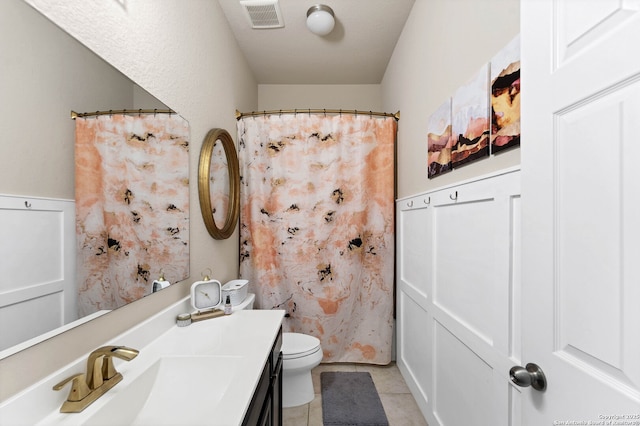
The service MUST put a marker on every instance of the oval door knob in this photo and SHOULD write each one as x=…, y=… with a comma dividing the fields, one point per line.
x=531, y=375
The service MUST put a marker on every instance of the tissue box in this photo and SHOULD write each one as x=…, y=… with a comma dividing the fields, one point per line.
x=236, y=290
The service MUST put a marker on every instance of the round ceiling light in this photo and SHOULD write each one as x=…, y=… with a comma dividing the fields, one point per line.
x=320, y=19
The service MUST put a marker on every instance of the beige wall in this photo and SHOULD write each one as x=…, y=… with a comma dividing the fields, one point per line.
x=366, y=97
x=185, y=55
x=443, y=44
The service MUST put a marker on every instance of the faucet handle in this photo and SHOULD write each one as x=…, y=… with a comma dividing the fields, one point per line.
x=79, y=389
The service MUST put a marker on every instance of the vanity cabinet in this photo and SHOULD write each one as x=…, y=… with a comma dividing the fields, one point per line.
x=265, y=408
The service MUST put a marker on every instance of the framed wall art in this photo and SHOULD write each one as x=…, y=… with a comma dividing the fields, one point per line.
x=470, y=119
x=505, y=97
x=439, y=141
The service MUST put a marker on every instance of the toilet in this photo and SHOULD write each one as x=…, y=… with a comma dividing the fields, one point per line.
x=300, y=354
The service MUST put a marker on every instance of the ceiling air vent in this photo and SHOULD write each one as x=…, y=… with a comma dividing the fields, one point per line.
x=263, y=13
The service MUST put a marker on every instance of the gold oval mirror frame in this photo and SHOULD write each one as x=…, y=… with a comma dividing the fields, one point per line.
x=204, y=179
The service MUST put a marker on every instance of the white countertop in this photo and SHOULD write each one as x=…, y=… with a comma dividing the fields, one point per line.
x=245, y=335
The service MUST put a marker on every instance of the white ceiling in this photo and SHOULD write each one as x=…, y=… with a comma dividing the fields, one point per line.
x=357, y=51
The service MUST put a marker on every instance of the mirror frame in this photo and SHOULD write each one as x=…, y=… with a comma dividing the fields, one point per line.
x=233, y=168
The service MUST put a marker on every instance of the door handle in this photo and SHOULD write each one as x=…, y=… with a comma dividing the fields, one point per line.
x=531, y=375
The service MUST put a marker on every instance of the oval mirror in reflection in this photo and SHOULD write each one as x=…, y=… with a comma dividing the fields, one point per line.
x=219, y=184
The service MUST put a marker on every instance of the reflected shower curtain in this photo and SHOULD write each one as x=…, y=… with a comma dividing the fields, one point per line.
x=132, y=206
x=317, y=227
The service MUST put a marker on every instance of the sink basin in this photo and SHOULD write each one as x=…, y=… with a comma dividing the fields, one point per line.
x=173, y=390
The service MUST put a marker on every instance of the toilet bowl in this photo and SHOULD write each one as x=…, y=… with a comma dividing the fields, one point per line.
x=300, y=354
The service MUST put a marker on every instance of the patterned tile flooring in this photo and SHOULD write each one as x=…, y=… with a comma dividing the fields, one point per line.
x=399, y=406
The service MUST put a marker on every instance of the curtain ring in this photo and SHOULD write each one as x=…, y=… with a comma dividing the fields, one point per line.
x=341, y=112
x=280, y=114
x=454, y=196
x=325, y=112
x=295, y=112
x=410, y=203
x=155, y=111
x=110, y=113
x=355, y=111
x=139, y=112
x=27, y=204
x=97, y=114
x=264, y=113
x=309, y=112
x=427, y=201
x=370, y=114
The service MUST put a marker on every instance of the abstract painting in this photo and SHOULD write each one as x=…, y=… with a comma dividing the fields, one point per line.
x=439, y=141
x=470, y=119
x=505, y=97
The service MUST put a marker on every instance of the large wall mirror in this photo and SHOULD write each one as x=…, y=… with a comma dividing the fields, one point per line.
x=46, y=73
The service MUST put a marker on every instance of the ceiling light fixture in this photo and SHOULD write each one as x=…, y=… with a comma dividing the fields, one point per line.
x=320, y=19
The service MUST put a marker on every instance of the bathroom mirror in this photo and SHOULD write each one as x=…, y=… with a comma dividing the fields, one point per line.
x=219, y=184
x=46, y=74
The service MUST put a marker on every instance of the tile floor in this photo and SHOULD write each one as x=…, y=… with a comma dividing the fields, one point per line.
x=399, y=406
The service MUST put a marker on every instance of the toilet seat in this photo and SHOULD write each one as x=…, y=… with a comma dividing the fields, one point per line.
x=298, y=345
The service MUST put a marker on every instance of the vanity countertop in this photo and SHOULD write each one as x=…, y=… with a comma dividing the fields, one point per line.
x=243, y=339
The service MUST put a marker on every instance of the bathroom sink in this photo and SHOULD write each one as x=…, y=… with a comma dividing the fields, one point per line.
x=173, y=390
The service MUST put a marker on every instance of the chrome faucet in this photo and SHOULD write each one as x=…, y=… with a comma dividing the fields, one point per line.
x=101, y=376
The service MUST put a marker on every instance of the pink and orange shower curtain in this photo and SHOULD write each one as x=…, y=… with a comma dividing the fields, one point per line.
x=317, y=227
x=132, y=206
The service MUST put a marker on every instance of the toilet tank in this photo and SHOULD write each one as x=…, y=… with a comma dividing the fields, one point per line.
x=247, y=303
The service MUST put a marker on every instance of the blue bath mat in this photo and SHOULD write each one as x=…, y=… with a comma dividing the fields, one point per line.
x=350, y=399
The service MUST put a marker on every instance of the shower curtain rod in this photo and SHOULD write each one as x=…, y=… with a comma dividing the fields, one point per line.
x=240, y=115
x=75, y=115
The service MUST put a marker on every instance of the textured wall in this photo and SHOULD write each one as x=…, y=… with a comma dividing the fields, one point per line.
x=185, y=55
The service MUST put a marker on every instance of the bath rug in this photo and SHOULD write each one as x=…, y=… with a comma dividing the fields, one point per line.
x=350, y=399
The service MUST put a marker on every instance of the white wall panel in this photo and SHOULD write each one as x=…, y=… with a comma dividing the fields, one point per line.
x=37, y=267
x=415, y=340
x=415, y=263
x=466, y=263
x=462, y=383
x=459, y=300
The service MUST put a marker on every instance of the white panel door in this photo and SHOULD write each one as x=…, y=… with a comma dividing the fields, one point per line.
x=581, y=210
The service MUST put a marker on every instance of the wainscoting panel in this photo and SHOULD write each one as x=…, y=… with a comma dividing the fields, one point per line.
x=460, y=376
x=458, y=298
x=416, y=344
x=416, y=259
x=37, y=267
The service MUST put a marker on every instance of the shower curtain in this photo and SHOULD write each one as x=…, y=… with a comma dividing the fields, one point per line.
x=132, y=206
x=317, y=227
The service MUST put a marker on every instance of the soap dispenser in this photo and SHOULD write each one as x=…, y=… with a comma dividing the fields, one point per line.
x=227, y=306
